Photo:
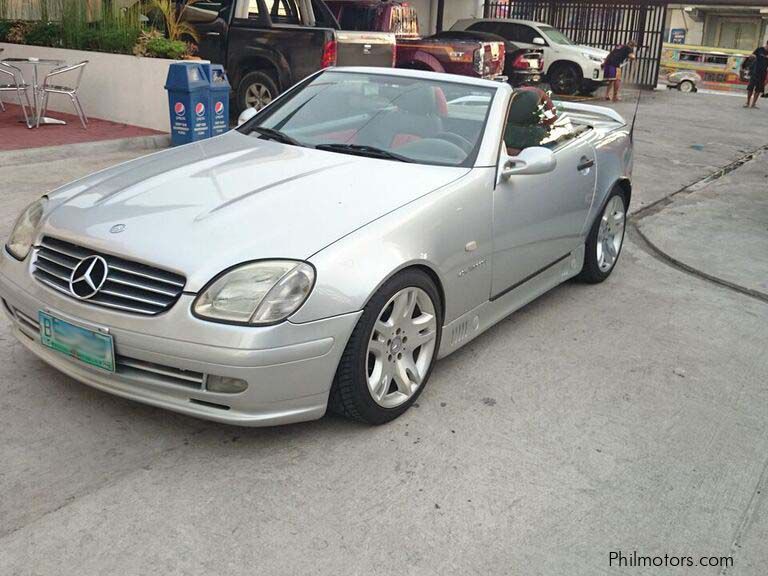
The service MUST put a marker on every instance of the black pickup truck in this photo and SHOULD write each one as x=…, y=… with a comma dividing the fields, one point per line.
x=267, y=46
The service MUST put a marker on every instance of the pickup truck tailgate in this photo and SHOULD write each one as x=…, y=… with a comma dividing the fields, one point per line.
x=365, y=48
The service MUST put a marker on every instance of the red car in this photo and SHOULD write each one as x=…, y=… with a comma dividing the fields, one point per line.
x=469, y=56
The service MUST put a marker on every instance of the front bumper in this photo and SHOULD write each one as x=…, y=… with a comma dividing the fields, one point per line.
x=164, y=360
x=594, y=73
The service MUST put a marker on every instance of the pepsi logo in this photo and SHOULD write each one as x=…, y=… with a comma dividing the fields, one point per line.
x=200, y=109
x=179, y=109
x=219, y=108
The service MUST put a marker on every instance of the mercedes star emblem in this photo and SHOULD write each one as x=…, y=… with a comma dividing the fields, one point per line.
x=88, y=277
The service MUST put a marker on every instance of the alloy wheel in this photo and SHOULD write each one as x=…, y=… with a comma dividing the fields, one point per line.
x=401, y=347
x=566, y=81
x=258, y=96
x=610, y=234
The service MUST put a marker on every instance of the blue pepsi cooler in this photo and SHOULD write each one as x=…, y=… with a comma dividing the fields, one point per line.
x=219, y=89
x=188, y=102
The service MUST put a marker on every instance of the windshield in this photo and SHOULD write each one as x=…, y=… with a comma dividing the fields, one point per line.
x=554, y=35
x=391, y=117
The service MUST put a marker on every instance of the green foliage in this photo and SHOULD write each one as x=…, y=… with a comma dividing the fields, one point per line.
x=77, y=25
x=5, y=28
x=44, y=34
x=172, y=15
x=164, y=48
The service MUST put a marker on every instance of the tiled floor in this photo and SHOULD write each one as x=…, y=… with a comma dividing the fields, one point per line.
x=14, y=135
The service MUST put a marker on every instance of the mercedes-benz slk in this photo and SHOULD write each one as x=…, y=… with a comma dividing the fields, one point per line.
x=323, y=254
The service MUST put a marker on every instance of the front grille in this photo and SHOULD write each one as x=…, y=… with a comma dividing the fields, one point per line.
x=130, y=286
x=130, y=368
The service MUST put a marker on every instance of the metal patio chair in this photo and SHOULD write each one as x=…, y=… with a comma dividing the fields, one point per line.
x=12, y=80
x=54, y=84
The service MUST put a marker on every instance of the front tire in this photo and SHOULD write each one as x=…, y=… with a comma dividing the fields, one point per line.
x=686, y=86
x=565, y=79
x=389, y=357
x=605, y=240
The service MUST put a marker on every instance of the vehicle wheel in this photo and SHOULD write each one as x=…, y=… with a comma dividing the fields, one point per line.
x=686, y=86
x=605, y=240
x=256, y=90
x=565, y=79
x=390, y=355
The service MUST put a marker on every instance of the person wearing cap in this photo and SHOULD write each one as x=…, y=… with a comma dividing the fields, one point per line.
x=612, y=67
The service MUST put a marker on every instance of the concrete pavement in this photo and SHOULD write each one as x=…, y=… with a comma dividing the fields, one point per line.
x=730, y=212
x=625, y=416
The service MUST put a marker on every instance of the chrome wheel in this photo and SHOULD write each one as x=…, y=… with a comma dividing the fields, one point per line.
x=686, y=86
x=401, y=347
x=610, y=234
x=257, y=96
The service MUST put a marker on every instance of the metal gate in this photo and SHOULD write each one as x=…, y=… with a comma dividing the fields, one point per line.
x=602, y=24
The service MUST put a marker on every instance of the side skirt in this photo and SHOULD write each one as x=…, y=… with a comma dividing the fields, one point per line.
x=473, y=323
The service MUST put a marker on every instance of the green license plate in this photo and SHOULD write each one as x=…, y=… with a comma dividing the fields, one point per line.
x=89, y=346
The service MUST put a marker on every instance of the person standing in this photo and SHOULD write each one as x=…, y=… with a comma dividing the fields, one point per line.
x=612, y=67
x=758, y=68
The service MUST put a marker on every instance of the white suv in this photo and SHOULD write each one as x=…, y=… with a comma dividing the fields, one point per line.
x=569, y=67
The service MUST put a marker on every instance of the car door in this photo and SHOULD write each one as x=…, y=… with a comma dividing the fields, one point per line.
x=538, y=219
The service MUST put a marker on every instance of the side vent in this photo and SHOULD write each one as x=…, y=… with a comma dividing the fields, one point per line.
x=460, y=333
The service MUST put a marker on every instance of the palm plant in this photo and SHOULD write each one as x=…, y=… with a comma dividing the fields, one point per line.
x=177, y=28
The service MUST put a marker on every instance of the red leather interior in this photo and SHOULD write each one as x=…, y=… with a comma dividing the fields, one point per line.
x=403, y=139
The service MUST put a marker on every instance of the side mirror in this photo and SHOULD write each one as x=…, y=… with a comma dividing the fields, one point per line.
x=539, y=41
x=246, y=115
x=533, y=160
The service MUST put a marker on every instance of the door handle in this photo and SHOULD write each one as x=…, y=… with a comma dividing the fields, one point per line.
x=213, y=34
x=585, y=163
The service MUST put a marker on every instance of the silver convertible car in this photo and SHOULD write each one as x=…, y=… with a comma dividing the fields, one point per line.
x=326, y=252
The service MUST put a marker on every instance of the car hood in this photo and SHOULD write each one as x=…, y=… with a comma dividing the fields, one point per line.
x=202, y=208
x=596, y=52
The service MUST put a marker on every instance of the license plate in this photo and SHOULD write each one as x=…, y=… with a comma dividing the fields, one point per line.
x=88, y=346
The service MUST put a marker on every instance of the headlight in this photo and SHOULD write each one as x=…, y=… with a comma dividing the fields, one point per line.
x=592, y=57
x=20, y=242
x=257, y=293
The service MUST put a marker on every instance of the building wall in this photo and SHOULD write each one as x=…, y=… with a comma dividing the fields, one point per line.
x=678, y=18
x=718, y=25
x=454, y=10
x=136, y=95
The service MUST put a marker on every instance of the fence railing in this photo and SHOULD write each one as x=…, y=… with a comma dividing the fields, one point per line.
x=602, y=24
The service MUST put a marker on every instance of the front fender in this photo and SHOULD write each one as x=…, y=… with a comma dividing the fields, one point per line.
x=447, y=231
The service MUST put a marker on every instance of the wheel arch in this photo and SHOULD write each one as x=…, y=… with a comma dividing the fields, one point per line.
x=423, y=61
x=625, y=184
x=272, y=64
x=427, y=269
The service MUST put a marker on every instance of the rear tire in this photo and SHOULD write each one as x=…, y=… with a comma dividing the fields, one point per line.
x=605, y=239
x=389, y=357
x=686, y=86
x=256, y=90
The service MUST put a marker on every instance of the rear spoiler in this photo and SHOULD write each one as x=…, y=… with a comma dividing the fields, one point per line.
x=590, y=113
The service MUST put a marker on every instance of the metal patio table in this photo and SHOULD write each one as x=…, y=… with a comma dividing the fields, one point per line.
x=35, y=62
